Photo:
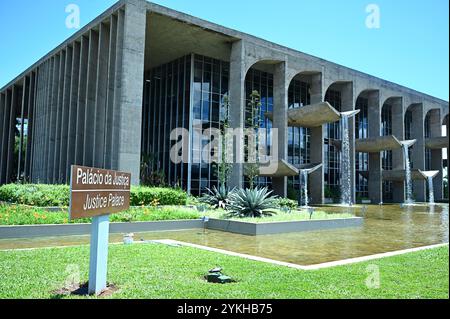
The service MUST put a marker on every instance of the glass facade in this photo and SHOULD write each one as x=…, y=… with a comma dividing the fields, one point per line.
x=332, y=153
x=166, y=107
x=169, y=90
x=299, y=146
x=362, y=159
x=262, y=82
x=386, y=156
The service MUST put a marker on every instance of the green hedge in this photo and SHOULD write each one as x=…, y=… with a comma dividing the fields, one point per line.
x=58, y=195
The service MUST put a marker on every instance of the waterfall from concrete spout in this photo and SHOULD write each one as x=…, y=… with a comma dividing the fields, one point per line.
x=304, y=175
x=409, y=199
x=346, y=184
x=430, y=190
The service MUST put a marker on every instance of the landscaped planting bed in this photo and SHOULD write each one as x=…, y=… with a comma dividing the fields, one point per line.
x=42, y=195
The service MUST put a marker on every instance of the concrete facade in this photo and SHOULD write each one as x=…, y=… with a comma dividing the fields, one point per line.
x=83, y=101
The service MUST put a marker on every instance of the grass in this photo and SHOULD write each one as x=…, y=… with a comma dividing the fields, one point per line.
x=154, y=271
x=281, y=216
x=23, y=215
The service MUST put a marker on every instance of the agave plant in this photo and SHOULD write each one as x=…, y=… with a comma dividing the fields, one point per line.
x=217, y=197
x=252, y=203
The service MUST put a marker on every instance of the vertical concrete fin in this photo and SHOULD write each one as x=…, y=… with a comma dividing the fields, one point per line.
x=2, y=130
x=11, y=135
x=89, y=121
x=81, y=103
x=101, y=93
x=110, y=97
x=65, y=106
x=73, y=102
x=59, y=117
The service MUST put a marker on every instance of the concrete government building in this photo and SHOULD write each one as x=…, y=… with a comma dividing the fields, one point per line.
x=116, y=89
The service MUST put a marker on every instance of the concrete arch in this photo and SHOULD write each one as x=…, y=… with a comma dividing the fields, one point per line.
x=314, y=79
x=432, y=121
x=263, y=62
x=346, y=90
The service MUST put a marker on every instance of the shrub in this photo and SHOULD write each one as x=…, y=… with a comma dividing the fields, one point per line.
x=58, y=195
x=251, y=203
x=36, y=194
x=164, y=196
x=286, y=203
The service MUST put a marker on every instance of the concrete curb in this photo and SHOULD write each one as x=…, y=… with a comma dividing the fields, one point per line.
x=254, y=229
x=243, y=228
x=30, y=231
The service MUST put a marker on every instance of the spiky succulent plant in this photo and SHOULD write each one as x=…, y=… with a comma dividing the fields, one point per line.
x=252, y=203
x=217, y=197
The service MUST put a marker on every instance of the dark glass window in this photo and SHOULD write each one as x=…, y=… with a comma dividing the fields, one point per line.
x=332, y=153
x=263, y=83
x=299, y=147
x=362, y=159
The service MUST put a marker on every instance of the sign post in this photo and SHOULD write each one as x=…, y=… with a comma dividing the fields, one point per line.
x=97, y=193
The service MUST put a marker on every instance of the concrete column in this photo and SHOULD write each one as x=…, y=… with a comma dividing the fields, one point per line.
x=316, y=179
x=375, y=181
x=237, y=106
x=81, y=103
x=436, y=155
x=5, y=100
x=72, y=119
x=131, y=52
x=25, y=88
x=65, y=106
x=52, y=119
x=418, y=150
x=112, y=60
x=59, y=118
x=31, y=127
x=100, y=107
x=347, y=105
x=280, y=87
x=89, y=120
x=398, y=130
x=11, y=135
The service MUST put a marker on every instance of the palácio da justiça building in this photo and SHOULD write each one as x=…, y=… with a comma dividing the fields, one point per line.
x=116, y=89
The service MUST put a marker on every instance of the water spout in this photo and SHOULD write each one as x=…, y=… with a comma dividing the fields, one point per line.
x=305, y=170
x=304, y=176
x=346, y=175
x=431, y=191
x=405, y=146
x=429, y=175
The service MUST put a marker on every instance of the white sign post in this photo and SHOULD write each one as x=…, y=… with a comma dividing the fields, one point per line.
x=97, y=193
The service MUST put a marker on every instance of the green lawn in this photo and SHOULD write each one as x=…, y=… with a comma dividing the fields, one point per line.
x=158, y=271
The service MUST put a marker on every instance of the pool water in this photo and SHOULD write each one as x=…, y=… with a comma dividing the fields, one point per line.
x=386, y=228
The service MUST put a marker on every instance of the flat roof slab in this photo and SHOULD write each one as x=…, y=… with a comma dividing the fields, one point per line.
x=280, y=168
x=436, y=143
x=377, y=144
x=309, y=116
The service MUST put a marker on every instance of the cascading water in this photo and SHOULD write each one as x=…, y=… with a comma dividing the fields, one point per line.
x=409, y=199
x=304, y=175
x=430, y=190
x=346, y=184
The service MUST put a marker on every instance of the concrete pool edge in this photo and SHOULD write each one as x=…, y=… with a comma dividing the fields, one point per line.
x=243, y=228
x=337, y=263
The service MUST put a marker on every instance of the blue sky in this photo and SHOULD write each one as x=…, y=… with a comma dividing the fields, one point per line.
x=410, y=48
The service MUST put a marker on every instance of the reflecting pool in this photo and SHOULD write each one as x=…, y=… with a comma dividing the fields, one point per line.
x=386, y=228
